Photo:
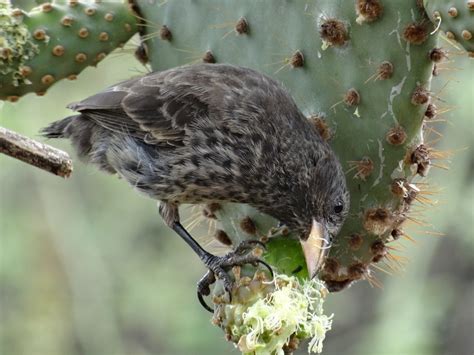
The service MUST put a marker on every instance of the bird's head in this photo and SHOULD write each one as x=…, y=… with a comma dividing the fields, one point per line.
x=324, y=212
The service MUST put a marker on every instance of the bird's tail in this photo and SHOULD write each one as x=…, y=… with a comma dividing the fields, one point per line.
x=59, y=129
x=89, y=139
x=78, y=129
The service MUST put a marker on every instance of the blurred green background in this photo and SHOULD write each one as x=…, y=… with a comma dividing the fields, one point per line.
x=87, y=267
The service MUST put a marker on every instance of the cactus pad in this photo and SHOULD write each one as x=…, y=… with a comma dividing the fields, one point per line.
x=55, y=41
x=456, y=19
x=366, y=93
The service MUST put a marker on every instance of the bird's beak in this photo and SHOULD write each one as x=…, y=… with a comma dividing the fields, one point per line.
x=316, y=248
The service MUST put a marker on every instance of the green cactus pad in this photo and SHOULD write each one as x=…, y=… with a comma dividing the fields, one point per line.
x=55, y=41
x=360, y=70
x=455, y=18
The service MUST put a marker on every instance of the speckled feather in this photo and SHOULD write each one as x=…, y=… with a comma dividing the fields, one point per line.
x=212, y=132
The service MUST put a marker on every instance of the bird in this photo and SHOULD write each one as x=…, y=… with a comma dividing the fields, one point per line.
x=209, y=133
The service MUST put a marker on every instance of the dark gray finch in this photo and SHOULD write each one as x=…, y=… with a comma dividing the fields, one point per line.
x=215, y=133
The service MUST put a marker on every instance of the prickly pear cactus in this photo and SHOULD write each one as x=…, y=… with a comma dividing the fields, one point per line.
x=55, y=41
x=360, y=70
x=456, y=19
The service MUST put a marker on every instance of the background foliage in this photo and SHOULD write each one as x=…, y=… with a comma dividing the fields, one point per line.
x=87, y=267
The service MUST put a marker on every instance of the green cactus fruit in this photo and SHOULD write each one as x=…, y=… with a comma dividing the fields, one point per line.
x=241, y=222
x=455, y=18
x=55, y=41
x=360, y=70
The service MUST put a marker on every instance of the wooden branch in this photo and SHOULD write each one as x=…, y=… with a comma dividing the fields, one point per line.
x=35, y=153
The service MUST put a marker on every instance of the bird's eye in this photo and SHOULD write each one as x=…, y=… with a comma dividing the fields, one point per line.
x=338, y=208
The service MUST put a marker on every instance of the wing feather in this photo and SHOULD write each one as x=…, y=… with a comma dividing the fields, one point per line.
x=162, y=107
x=154, y=108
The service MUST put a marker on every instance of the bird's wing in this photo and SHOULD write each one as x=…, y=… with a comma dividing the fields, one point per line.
x=105, y=108
x=141, y=107
x=160, y=107
x=166, y=104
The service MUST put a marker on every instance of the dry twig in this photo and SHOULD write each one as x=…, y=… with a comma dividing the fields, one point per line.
x=35, y=153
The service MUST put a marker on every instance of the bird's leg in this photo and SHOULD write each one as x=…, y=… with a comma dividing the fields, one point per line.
x=217, y=265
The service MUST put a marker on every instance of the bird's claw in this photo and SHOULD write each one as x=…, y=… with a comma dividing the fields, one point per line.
x=269, y=268
x=219, y=264
x=203, y=288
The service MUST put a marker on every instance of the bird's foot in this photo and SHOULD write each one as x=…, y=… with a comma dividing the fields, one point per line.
x=219, y=265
